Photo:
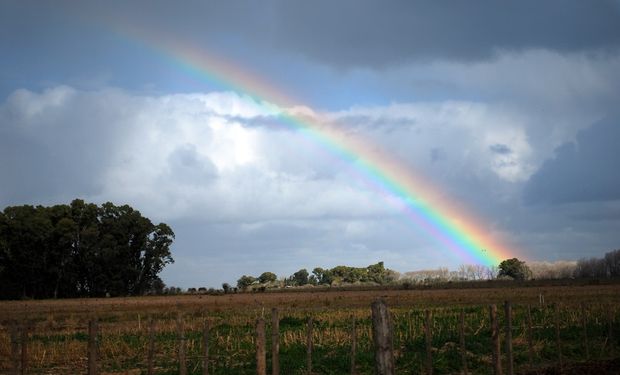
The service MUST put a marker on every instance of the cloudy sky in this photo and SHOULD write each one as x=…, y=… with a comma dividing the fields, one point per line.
x=509, y=109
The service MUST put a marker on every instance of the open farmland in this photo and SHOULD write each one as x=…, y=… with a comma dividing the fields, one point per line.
x=588, y=318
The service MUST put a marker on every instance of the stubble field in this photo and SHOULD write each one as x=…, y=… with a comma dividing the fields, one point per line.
x=585, y=316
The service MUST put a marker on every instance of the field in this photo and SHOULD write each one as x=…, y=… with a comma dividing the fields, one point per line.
x=587, y=321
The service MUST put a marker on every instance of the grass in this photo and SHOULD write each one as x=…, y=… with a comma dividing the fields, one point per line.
x=58, y=343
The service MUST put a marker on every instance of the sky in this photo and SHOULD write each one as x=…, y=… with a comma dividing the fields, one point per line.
x=190, y=112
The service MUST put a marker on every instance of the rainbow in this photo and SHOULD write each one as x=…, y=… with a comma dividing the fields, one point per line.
x=445, y=221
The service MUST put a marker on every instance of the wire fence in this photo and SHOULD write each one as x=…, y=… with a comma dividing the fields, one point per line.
x=482, y=339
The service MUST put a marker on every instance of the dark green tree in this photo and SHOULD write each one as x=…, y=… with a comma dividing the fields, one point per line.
x=80, y=250
x=377, y=273
x=323, y=277
x=267, y=277
x=245, y=281
x=515, y=269
x=301, y=277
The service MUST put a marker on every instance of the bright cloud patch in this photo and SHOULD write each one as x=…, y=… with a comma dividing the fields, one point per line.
x=459, y=133
x=222, y=156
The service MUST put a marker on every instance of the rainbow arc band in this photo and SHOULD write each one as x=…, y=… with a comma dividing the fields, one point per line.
x=445, y=221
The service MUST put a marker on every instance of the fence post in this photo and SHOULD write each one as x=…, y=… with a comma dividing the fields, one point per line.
x=429, y=340
x=584, y=324
x=610, y=322
x=261, y=366
x=93, y=347
x=509, y=357
x=557, y=333
x=462, y=342
x=275, y=342
x=205, y=348
x=181, y=338
x=309, y=347
x=14, y=332
x=382, y=338
x=151, y=350
x=353, y=344
x=497, y=366
x=530, y=338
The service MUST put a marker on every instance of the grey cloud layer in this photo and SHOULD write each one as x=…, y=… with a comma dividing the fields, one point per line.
x=581, y=171
x=345, y=33
x=378, y=33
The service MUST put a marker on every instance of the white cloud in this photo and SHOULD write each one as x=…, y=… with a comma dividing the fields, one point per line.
x=456, y=133
x=227, y=157
x=225, y=161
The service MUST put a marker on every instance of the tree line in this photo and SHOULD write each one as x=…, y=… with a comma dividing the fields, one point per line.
x=80, y=250
x=374, y=273
x=599, y=268
x=510, y=269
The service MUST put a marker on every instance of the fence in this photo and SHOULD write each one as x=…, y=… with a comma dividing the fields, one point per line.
x=403, y=340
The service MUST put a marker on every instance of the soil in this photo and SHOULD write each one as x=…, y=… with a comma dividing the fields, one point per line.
x=606, y=367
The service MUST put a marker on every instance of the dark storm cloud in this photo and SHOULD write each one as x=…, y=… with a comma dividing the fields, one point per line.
x=54, y=145
x=586, y=170
x=378, y=33
x=340, y=33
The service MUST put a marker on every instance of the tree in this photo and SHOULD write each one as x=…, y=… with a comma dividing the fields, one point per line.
x=612, y=263
x=226, y=287
x=376, y=273
x=323, y=277
x=561, y=269
x=267, y=277
x=515, y=269
x=591, y=268
x=312, y=280
x=301, y=277
x=80, y=250
x=245, y=281
x=158, y=286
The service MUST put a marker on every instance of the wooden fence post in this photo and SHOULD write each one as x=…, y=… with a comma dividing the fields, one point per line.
x=530, y=338
x=181, y=338
x=382, y=338
x=275, y=342
x=610, y=322
x=557, y=333
x=150, y=358
x=497, y=366
x=429, y=342
x=509, y=357
x=15, y=358
x=93, y=347
x=462, y=342
x=353, y=345
x=309, y=347
x=261, y=365
x=584, y=325
x=205, y=348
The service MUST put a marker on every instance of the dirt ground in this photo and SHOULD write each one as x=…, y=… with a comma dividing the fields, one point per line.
x=320, y=298
x=609, y=367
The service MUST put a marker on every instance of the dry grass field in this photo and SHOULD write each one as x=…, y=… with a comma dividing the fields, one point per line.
x=314, y=299
x=58, y=338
